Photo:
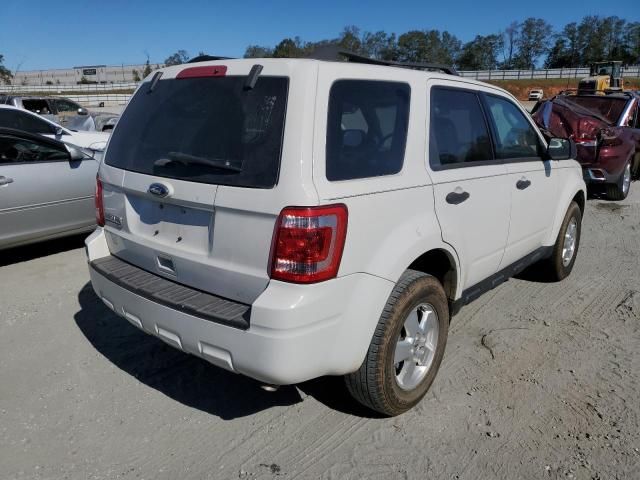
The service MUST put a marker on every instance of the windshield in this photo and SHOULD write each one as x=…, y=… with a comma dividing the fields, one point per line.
x=606, y=106
x=214, y=118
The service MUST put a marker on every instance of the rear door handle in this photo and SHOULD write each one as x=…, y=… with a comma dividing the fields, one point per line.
x=523, y=183
x=454, y=198
x=5, y=180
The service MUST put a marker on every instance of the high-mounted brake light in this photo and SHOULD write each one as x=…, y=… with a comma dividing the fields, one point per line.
x=199, y=72
x=99, y=203
x=308, y=243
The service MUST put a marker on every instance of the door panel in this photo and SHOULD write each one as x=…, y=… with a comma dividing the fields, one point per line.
x=533, y=183
x=42, y=192
x=534, y=197
x=477, y=227
x=45, y=198
x=472, y=194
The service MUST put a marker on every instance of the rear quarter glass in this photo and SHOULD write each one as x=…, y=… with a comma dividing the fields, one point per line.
x=214, y=118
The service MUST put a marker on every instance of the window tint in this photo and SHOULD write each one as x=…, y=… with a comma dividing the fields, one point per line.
x=366, y=128
x=186, y=123
x=458, y=130
x=10, y=118
x=36, y=105
x=515, y=136
x=19, y=150
x=66, y=106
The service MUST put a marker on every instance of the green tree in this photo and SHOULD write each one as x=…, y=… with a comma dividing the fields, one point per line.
x=350, y=39
x=289, y=48
x=379, y=45
x=481, y=53
x=257, y=51
x=5, y=73
x=509, y=45
x=135, y=74
x=178, y=58
x=532, y=42
x=431, y=46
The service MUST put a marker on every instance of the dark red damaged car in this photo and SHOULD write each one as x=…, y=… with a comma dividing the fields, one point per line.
x=606, y=129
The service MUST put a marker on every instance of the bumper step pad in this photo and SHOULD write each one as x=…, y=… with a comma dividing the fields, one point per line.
x=174, y=295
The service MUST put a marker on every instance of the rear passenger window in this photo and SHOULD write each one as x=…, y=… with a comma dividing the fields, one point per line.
x=366, y=128
x=458, y=130
x=515, y=136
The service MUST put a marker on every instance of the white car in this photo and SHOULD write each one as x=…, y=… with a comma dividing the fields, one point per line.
x=535, y=95
x=287, y=219
x=20, y=119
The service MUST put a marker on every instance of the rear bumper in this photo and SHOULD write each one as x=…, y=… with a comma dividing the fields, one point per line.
x=297, y=332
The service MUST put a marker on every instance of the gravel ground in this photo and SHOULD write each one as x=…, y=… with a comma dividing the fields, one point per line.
x=539, y=381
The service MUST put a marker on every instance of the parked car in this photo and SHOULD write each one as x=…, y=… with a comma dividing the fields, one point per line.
x=535, y=94
x=46, y=188
x=606, y=129
x=19, y=119
x=288, y=219
x=63, y=111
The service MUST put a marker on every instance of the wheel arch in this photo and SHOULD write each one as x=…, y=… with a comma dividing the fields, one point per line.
x=441, y=264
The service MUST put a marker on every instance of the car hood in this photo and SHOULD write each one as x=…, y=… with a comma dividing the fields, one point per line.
x=91, y=140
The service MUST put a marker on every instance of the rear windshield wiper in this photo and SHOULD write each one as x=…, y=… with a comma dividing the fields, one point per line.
x=186, y=159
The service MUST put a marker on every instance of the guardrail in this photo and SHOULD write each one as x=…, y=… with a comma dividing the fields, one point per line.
x=82, y=87
x=546, y=73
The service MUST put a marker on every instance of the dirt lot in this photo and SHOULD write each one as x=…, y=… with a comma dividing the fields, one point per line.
x=538, y=381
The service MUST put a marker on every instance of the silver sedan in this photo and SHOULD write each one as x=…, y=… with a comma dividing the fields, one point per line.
x=46, y=188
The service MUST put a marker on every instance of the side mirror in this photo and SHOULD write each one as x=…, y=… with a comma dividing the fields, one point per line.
x=59, y=132
x=352, y=138
x=561, y=149
x=83, y=111
x=77, y=154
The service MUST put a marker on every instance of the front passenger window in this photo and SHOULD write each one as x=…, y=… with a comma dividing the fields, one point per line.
x=515, y=136
x=21, y=150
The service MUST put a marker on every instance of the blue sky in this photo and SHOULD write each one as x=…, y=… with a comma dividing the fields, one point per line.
x=63, y=33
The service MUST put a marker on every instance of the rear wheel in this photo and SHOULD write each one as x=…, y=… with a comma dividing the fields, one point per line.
x=565, y=249
x=407, y=347
x=620, y=189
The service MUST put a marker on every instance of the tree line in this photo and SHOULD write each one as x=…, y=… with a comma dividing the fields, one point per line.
x=521, y=45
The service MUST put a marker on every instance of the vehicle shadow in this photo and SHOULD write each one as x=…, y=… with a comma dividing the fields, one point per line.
x=178, y=375
x=42, y=249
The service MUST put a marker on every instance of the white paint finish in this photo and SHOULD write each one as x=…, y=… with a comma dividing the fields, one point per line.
x=302, y=331
x=532, y=209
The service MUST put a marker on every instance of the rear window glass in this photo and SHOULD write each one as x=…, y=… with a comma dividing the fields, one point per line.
x=207, y=130
x=366, y=128
x=606, y=106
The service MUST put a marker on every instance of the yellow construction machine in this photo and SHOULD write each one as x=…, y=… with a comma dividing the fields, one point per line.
x=604, y=77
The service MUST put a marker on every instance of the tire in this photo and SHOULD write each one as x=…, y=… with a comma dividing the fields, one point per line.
x=380, y=383
x=560, y=264
x=620, y=189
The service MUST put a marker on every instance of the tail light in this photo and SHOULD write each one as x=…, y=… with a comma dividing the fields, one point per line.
x=609, y=138
x=587, y=134
x=99, y=203
x=308, y=243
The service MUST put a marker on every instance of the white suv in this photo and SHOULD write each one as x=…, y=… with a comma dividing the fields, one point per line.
x=287, y=219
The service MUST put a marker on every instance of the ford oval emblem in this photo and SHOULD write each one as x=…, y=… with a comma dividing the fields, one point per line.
x=158, y=189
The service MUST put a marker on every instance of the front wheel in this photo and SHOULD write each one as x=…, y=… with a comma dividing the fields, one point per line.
x=565, y=249
x=407, y=347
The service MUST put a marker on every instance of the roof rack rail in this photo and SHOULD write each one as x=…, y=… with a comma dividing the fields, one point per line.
x=207, y=58
x=334, y=53
x=355, y=58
